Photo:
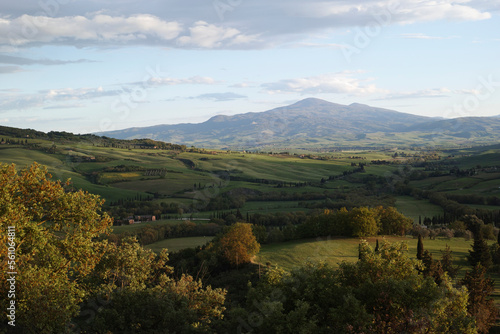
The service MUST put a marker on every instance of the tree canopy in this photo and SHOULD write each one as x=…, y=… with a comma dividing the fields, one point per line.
x=66, y=273
x=238, y=244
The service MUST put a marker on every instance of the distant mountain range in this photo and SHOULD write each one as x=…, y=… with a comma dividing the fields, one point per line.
x=318, y=123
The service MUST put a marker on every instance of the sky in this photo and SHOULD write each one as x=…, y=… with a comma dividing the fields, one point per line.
x=91, y=66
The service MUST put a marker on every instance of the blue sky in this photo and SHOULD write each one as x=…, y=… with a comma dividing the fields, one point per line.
x=87, y=66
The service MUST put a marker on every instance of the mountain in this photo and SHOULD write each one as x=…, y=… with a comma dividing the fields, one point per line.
x=314, y=122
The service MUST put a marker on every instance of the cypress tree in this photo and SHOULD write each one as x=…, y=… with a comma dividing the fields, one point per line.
x=480, y=253
x=376, y=247
x=420, y=248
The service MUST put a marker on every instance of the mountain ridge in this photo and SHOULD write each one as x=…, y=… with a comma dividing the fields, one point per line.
x=313, y=120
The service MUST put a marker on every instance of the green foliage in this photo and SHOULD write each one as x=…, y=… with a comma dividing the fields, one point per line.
x=181, y=306
x=364, y=222
x=63, y=267
x=480, y=252
x=54, y=245
x=392, y=222
x=381, y=293
x=420, y=247
x=357, y=222
x=447, y=262
x=480, y=305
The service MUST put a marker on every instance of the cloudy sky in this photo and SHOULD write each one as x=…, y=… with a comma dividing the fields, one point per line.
x=97, y=65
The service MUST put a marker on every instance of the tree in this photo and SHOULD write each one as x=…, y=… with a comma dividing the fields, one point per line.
x=420, y=248
x=238, y=244
x=480, y=305
x=432, y=268
x=447, y=262
x=381, y=293
x=363, y=222
x=480, y=253
x=393, y=222
x=54, y=247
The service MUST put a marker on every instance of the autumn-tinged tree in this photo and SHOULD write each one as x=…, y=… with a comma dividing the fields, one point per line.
x=238, y=244
x=480, y=304
x=54, y=248
x=65, y=275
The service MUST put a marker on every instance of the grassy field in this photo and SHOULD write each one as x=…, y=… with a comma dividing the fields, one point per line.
x=177, y=244
x=293, y=254
x=414, y=208
x=335, y=250
x=191, y=174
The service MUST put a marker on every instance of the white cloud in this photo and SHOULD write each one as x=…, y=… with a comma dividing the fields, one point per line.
x=195, y=24
x=206, y=35
x=103, y=29
x=26, y=29
x=337, y=83
x=241, y=85
x=405, y=11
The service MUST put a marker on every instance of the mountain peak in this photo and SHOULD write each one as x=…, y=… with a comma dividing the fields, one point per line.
x=310, y=102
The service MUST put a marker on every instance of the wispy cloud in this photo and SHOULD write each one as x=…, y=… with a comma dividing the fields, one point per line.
x=167, y=81
x=15, y=60
x=65, y=106
x=228, y=96
x=424, y=36
x=425, y=93
x=10, y=69
x=45, y=98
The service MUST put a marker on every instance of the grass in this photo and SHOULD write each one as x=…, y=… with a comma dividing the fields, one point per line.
x=292, y=254
x=177, y=244
x=414, y=208
x=180, y=180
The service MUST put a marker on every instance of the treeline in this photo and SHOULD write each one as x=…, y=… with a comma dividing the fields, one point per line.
x=153, y=233
x=122, y=209
x=455, y=210
x=356, y=222
x=278, y=227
